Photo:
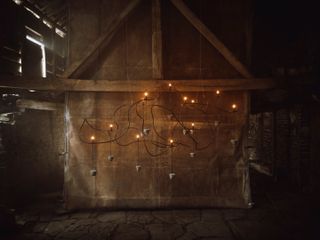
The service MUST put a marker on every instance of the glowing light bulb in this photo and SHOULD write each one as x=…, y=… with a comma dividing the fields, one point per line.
x=234, y=106
x=92, y=138
x=145, y=95
x=111, y=126
x=170, y=85
x=192, y=129
x=137, y=136
x=218, y=92
x=185, y=98
x=171, y=141
x=193, y=101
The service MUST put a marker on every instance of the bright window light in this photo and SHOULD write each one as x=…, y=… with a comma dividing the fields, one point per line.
x=33, y=31
x=32, y=12
x=60, y=33
x=18, y=2
x=48, y=24
x=43, y=60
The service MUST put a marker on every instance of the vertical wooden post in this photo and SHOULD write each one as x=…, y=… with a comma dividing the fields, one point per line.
x=157, y=71
x=54, y=54
x=274, y=146
x=248, y=32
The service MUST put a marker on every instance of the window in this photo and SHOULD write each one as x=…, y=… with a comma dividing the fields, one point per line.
x=36, y=39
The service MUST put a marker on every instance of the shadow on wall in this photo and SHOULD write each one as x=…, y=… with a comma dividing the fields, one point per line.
x=33, y=163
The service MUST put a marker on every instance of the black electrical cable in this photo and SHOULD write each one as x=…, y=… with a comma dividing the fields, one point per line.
x=162, y=145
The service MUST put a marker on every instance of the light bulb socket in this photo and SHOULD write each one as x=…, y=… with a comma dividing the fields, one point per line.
x=110, y=158
x=146, y=131
x=93, y=172
x=171, y=175
x=233, y=141
x=170, y=116
x=192, y=154
x=138, y=168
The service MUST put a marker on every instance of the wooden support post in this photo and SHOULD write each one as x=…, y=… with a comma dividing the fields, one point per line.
x=203, y=29
x=78, y=67
x=157, y=69
x=248, y=32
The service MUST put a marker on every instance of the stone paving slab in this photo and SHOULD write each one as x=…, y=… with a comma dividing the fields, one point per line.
x=160, y=231
x=209, y=229
x=118, y=217
x=130, y=232
x=140, y=217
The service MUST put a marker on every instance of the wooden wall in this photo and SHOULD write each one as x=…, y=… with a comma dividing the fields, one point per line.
x=215, y=177
x=218, y=175
x=186, y=54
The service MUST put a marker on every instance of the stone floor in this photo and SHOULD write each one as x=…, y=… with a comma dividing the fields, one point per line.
x=276, y=214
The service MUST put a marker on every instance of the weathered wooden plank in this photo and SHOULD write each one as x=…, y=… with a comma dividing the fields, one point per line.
x=38, y=105
x=157, y=69
x=212, y=38
x=137, y=85
x=80, y=66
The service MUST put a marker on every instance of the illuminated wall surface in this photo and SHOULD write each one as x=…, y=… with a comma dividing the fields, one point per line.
x=148, y=170
x=217, y=174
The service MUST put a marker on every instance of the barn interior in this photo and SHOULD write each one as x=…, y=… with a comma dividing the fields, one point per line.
x=159, y=119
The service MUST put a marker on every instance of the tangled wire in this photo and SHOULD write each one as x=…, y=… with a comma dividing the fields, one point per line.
x=141, y=118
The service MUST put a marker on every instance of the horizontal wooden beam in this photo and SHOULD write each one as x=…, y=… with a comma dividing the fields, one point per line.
x=78, y=85
x=211, y=37
x=38, y=105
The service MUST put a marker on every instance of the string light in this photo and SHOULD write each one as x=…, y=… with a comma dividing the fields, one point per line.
x=234, y=107
x=145, y=94
x=164, y=146
x=192, y=128
x=93, y=171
